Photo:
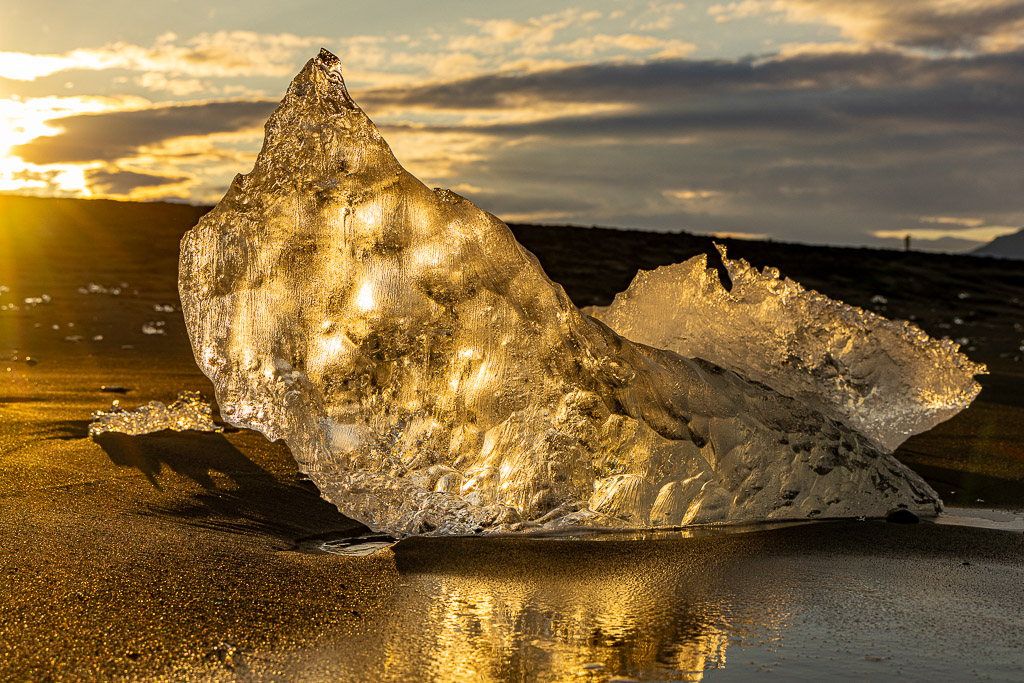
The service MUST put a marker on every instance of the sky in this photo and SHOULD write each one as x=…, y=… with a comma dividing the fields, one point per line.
x=850, y=122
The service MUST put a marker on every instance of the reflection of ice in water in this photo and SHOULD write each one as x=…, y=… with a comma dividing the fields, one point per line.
x=188, y=412
x=610, y=611
x=843, y=601
x=431, y=379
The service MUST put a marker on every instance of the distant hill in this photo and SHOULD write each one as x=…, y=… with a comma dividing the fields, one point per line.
x=1007, y=246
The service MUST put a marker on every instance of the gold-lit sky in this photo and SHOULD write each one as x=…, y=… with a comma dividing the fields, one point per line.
x=827, y=121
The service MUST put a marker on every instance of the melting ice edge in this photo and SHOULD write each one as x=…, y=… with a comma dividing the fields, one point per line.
x=430, y=379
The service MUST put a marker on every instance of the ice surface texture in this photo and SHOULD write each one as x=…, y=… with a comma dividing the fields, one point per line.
x=189, y=412
x=430, y=378
x=887, y=380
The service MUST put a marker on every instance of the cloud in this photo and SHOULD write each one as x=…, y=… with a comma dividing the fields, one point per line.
x=666, y=81
x=954, y=220
x=529, y=36
x=732, y=11
x=176, y=86
x=118, y=135
x=659, y=16
x=933, y=24
x=979, y=233
x=829, y=145
x=222, y=54
x=121, y=182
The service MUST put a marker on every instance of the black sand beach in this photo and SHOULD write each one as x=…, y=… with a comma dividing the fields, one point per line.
x=196, y=555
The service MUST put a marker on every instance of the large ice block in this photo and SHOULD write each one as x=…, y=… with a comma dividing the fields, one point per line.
x=430, y=378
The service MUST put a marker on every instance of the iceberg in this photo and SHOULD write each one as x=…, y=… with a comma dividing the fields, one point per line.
x=431, y=379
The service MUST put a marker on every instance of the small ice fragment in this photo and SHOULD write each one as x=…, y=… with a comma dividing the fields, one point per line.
x=188, y=412
x=97, y=337
x=963, y=295
x=879, y=299
x=163, y=308
x=154, y=328
x=358, y=547
x=96, y=288
x=74, y=338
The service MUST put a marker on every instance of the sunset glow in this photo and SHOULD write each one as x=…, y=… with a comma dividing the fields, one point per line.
x=839, y=122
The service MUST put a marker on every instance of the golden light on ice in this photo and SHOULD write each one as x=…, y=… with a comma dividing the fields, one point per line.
x=365, y=297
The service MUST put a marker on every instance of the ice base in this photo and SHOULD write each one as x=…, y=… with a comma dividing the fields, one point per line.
x=431, y=379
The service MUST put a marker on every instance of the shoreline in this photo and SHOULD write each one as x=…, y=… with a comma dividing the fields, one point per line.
x=181, y=555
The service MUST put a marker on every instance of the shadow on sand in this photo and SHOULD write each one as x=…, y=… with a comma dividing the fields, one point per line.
x=237, y=494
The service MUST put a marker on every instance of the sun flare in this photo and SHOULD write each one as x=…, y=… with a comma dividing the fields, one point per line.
x=22, y=121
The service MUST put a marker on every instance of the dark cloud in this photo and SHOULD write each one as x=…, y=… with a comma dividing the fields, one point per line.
x=684, y=81
x=960, y=28
x=120, y=182
x=813, y=147
x=117, y=135
x=537, y=202
x=917, y=23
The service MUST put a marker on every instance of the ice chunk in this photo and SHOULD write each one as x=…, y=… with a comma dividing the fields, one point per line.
x=429, y=377
x=886, y=379
x=189, y=412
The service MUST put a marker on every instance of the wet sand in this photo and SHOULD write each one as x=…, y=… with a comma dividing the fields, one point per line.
x=194, y=556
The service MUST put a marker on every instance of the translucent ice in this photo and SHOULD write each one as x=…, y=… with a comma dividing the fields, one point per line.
x=188, y=412
x=887, y=380
x=430, y=378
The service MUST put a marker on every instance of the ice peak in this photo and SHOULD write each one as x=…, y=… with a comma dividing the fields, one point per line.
x=329, y=59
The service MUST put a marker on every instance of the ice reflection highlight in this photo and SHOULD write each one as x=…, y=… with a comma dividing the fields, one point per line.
x=571, y=610
x=806, y=601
